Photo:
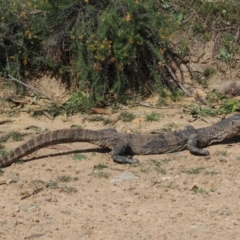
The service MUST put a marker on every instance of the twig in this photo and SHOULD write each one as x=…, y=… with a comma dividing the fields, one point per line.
x=177, y=81
x=48, y=115
x=24, y=84
x=4, y=121
x=149, y=106
x=189, y=17
x=223, y=28
x=32, y=193
x=7, y=59
x=237, y=36
x=3, y=182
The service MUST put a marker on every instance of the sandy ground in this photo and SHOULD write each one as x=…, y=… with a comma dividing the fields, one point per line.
x=170, y=196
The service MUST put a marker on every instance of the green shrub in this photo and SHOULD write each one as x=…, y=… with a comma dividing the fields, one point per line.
x=109, y=48
x=120, y=52
x=101, y=47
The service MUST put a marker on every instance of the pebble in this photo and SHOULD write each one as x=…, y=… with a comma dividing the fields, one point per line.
x=11, y=181
x=124, y=176
x=27, y=207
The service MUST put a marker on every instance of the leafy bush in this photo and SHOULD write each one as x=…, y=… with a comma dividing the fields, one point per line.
x=109, y=49
x=101, y=47
x=121, y=47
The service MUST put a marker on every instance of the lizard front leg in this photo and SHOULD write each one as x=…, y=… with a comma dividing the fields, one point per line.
x=192, y=145
x=118, y=150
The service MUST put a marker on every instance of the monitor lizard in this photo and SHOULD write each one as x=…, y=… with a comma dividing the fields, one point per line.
x=124, y=145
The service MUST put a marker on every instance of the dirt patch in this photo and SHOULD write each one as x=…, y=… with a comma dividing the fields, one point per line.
x=85, y=196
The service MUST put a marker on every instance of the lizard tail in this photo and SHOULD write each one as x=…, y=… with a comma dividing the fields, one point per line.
x=48, y=139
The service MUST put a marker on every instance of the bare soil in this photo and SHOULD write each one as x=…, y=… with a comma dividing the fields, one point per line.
x=168, y=196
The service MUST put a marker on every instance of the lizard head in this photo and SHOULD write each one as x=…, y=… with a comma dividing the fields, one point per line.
x=227, y=128
x=231, y=125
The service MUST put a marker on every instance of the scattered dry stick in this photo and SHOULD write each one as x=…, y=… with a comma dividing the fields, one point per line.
x=177, y=81
x=149, y=106
x=48, y=115
x=32, y=193
x=4, y=121
x=33, y=89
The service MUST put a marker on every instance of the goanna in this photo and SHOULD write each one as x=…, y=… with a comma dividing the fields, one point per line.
x=124, y=145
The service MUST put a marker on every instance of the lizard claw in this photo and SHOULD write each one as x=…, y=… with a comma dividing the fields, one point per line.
x=205, y=152
x=132, y=160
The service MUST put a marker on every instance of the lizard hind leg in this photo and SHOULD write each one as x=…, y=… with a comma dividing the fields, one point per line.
x=192, y=146
x=118, y=151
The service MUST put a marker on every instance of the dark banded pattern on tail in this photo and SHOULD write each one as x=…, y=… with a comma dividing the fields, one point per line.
x=127, y=143
x=50, y=138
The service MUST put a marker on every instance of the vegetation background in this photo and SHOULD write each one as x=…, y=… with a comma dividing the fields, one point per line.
x=113, y=50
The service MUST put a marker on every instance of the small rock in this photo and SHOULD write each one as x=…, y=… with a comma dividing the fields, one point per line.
x=229, y=88
x=11, y=181
x=137, y=120
x=66, y=212
x=124, y=176
x=44, y=129
x=136, y=114
x=194, y=187
x=123, y=107
x=82, y=235
x=213, y=213
x=234, y=222
x=183, y=68
x=123, y=210
x=17, y=209
x=50, y=199
x=27, y=207
x=225, y=211
x=196, y=230
x=198, y=67
x=35, y=236
x=200, y=96
x=166, y=178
